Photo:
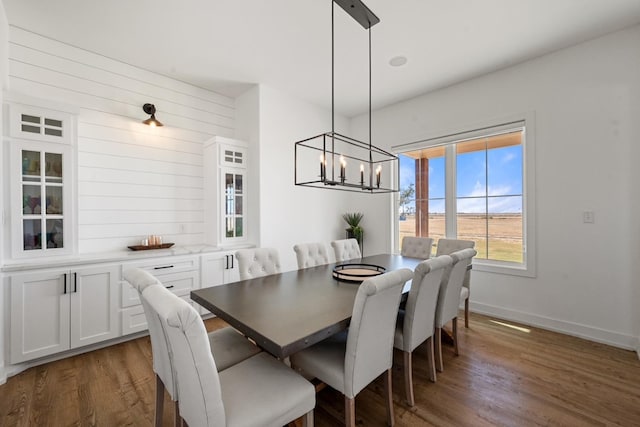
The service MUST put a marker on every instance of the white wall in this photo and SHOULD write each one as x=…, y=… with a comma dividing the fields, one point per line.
x=586, y=103
x=248, y=130
x=4, y=48
x=291, y=214
x=133, y=180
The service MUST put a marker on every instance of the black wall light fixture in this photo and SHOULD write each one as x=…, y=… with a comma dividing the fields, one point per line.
x=345, y=163
x=151, y=121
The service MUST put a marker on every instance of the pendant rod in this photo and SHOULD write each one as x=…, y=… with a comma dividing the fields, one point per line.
x=332, y=71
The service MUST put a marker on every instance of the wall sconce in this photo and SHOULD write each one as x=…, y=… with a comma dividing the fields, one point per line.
x=151, y=121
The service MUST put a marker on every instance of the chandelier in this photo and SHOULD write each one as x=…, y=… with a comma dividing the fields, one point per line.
x=338, y=162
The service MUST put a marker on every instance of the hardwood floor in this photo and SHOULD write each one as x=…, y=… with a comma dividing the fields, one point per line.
x=503, y=376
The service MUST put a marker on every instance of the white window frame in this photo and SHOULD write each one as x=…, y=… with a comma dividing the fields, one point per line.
x=527, y=121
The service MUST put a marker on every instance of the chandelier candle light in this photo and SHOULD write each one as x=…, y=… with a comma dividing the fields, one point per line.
x=338, y=151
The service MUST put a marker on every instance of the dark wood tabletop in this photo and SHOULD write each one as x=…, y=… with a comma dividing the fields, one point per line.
x=286, y=312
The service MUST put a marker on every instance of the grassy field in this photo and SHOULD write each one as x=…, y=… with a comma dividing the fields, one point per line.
x=505, y=231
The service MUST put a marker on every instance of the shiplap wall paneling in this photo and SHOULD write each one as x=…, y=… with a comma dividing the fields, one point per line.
x=133, y=180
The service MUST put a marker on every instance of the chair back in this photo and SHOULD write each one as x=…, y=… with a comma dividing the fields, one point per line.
x=141, y=280
x=346, y=249
x=311, y=254
x=449, y=297
x=420, y=311
x=369, y=349
x=197, y=378
x=449, y=246
x=416, y=247
x=257, y=262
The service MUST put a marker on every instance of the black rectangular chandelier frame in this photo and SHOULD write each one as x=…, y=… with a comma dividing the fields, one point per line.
x=333, y=149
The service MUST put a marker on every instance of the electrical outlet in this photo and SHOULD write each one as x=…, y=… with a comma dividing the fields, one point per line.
x=182, y=228
x=588, y=217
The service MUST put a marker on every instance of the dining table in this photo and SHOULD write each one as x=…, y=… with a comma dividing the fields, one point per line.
x=286, y=312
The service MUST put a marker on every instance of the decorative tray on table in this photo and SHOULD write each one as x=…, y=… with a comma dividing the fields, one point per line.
x=356, y=273
x=147, y=247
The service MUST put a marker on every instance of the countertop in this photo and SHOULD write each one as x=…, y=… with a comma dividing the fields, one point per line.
x=109, y=257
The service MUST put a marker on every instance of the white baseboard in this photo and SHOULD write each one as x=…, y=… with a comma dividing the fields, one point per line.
x=627, y=342
x=3, y=375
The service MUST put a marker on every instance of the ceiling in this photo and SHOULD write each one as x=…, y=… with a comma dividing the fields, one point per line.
x=227, y=45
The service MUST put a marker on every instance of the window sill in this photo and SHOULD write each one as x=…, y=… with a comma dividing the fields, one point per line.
x=497, y=267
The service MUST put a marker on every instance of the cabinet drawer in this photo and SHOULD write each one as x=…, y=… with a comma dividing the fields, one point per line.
x=134, y=320
x=179, y=283
x=162, y=266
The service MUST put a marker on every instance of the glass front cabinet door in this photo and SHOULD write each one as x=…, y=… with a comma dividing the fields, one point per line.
x=234, y=198
x=40, y=198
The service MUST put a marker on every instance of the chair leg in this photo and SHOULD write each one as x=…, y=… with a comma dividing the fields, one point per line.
x=159, y=402
x=389, y=393
x=466, y=313
x=455, y=335
x=438, y=350
x=408, y=377
x=307, y=419
x=431, y=359
x=349, y=412
x=177, y=420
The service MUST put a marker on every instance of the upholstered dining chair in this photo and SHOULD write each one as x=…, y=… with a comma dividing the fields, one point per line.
x=257, y=262
x=259, y=391
x=229, y=346
x=448, y=246
x=311, y=254
x=350, y=361
x=449, y=300
x=346, y=249
x=416, y=247
x=416, y=323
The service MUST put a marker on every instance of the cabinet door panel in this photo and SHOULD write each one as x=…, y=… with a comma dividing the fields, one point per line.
x=39, y=315
x=41, y=182
x=94, y=300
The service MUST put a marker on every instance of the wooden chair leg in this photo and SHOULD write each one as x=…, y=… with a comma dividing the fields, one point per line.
x=438, y=350
x=159, y=402
x=455, y=335
x=389, y=393
x=177, y=419
x=307, y=419
x=349, y=412
x=431, y=360
x=466, y=313
x=408, y=378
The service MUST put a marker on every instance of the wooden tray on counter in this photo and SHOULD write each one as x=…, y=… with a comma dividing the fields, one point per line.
x=148, y=247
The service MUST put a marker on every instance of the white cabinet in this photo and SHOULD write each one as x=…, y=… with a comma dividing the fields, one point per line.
x=217, y=269
x=56, y=310
x=225, y=208
x=41, y=181
x=178, y=274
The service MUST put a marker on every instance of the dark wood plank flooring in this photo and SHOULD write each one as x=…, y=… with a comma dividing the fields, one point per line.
x=503, y=376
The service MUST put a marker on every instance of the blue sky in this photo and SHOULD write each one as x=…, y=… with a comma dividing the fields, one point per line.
x=504, y=173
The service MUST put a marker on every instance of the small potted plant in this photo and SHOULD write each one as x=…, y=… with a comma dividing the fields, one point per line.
x=355, y=230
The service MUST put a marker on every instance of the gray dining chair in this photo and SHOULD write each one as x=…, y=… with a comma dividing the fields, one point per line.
x=416, y=323
x=449, y=300
x=229, y=346
x=416, y=247
x=259, y=391
x=448, y=246
x=350, y=361
x=257, y=262
x=346, y=249
x=311, y=254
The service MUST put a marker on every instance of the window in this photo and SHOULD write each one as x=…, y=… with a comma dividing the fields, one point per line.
x=471, y=186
